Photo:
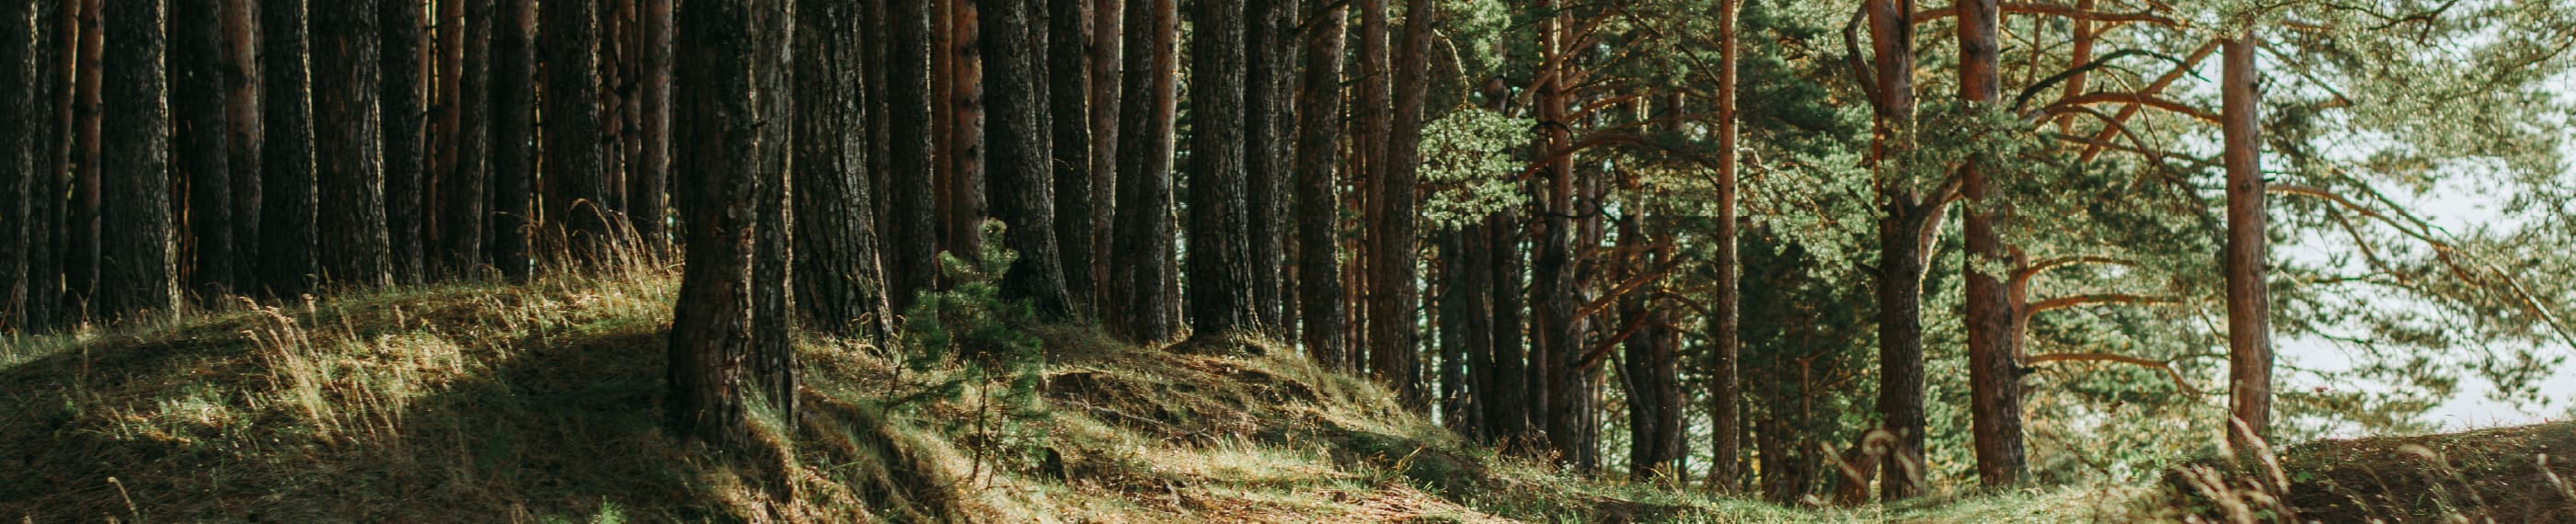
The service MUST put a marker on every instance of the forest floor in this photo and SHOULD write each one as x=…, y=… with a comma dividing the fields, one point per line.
x=537, y=403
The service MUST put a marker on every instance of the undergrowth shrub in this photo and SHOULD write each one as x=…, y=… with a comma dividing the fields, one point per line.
x=976, y=350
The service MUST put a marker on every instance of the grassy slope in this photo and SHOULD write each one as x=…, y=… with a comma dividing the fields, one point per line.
x=537, y=403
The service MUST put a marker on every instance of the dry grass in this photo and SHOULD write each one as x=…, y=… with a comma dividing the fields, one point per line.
x=2498, y=475
x=480, y=402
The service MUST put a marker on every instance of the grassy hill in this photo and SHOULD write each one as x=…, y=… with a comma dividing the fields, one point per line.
x=538, y=403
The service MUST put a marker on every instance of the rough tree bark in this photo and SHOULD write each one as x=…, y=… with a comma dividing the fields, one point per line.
x=1219, y=266
x=711, y=327
x=1067, y=29
x=574, y=149
x=405, y=113
x=461, y=242
x=513, y=136
x=1319, y=132
x=346, y=152
x=773, y=366
x=138, y=274
x=242, y=110
x=1269, y=66
x=1993, y=380
x=81, y=256
x=1395, y=295
x=1556, y=327
x=839, y=287
x=647, y=196
x=1145, y=305
x=2249, y=332
x=1021, y=182
x=1726, y=422
x=288, y=260
x=1906, y=214
x=19, y=180
x=1107, y=56
x=201, y=149
x=913, y=232
x=966, y=148
x=1508, y=395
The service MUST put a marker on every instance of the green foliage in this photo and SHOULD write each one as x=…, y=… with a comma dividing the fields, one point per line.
x=979, y=347
x=1467, y=163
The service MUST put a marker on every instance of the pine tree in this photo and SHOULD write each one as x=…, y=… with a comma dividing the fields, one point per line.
x=138, y=274
x=288, y=201
x=1145, y=287
x=346, y=143
x=577, y=196
x=838, y=285
x=1219, y=270
x=1020, y=181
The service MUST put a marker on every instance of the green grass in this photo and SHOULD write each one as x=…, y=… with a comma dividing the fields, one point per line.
x=539, y=403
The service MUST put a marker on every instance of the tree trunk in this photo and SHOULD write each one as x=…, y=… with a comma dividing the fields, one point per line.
x=1556, y=329
x=711, y=339
x=1270, y=60
x=573, y=156
x=773, y=366
x=1021, y=182
x=137, y=269
x=56, y=37
x=463, y=191
x=1374, y=99
x=647, y=198
x=2249, y=308
x=202, y=147
x=404, y=118
x=1394, y=294
x=1144, y=307
x=1993, y=378
x=1107, y=56
x=1069, y=54
x=1220, y=280
x=1319, y=132
x=913, y=233
x=1900, y=279
x=1507, y=389
x=288, y=260
x=19, y=179
x=839, y=288
x=966, y=149
x=1726, y=415
x=247, y=137
x=1467, y=289
x=513, y=137
x=345, y=138
x=447, y=127
x=81, y=259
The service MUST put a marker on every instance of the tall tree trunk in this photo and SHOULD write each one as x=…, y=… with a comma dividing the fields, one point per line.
x=1508, y=394
x=346, y=137
x=1726, y=414
x=647, y=196
x=513, y=140
x=1901, y=249
x=2249, y=308
x=57, y=26
x=1993, y=378
x=711, y=328
x=966, y=149
x=447, y=109
x=773, y=366
x=288, y=260
x=19, y=180
x=1466, y=318
x=839, y=287
x=138, y=274
x=1394, y=294
x=1555, y=327
x=405, y=118
x=1270, y=62
x=1069, y=54
x=574, y=148
x=81, y=258
x=913, y=233
x=1219, y=271
x=1319, y=133
x=1143, y=306
x=1107, y=56
x=1021, y=183
x=465, y=187
x=1373, y=98
x=241, y=76
x=201, y=152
